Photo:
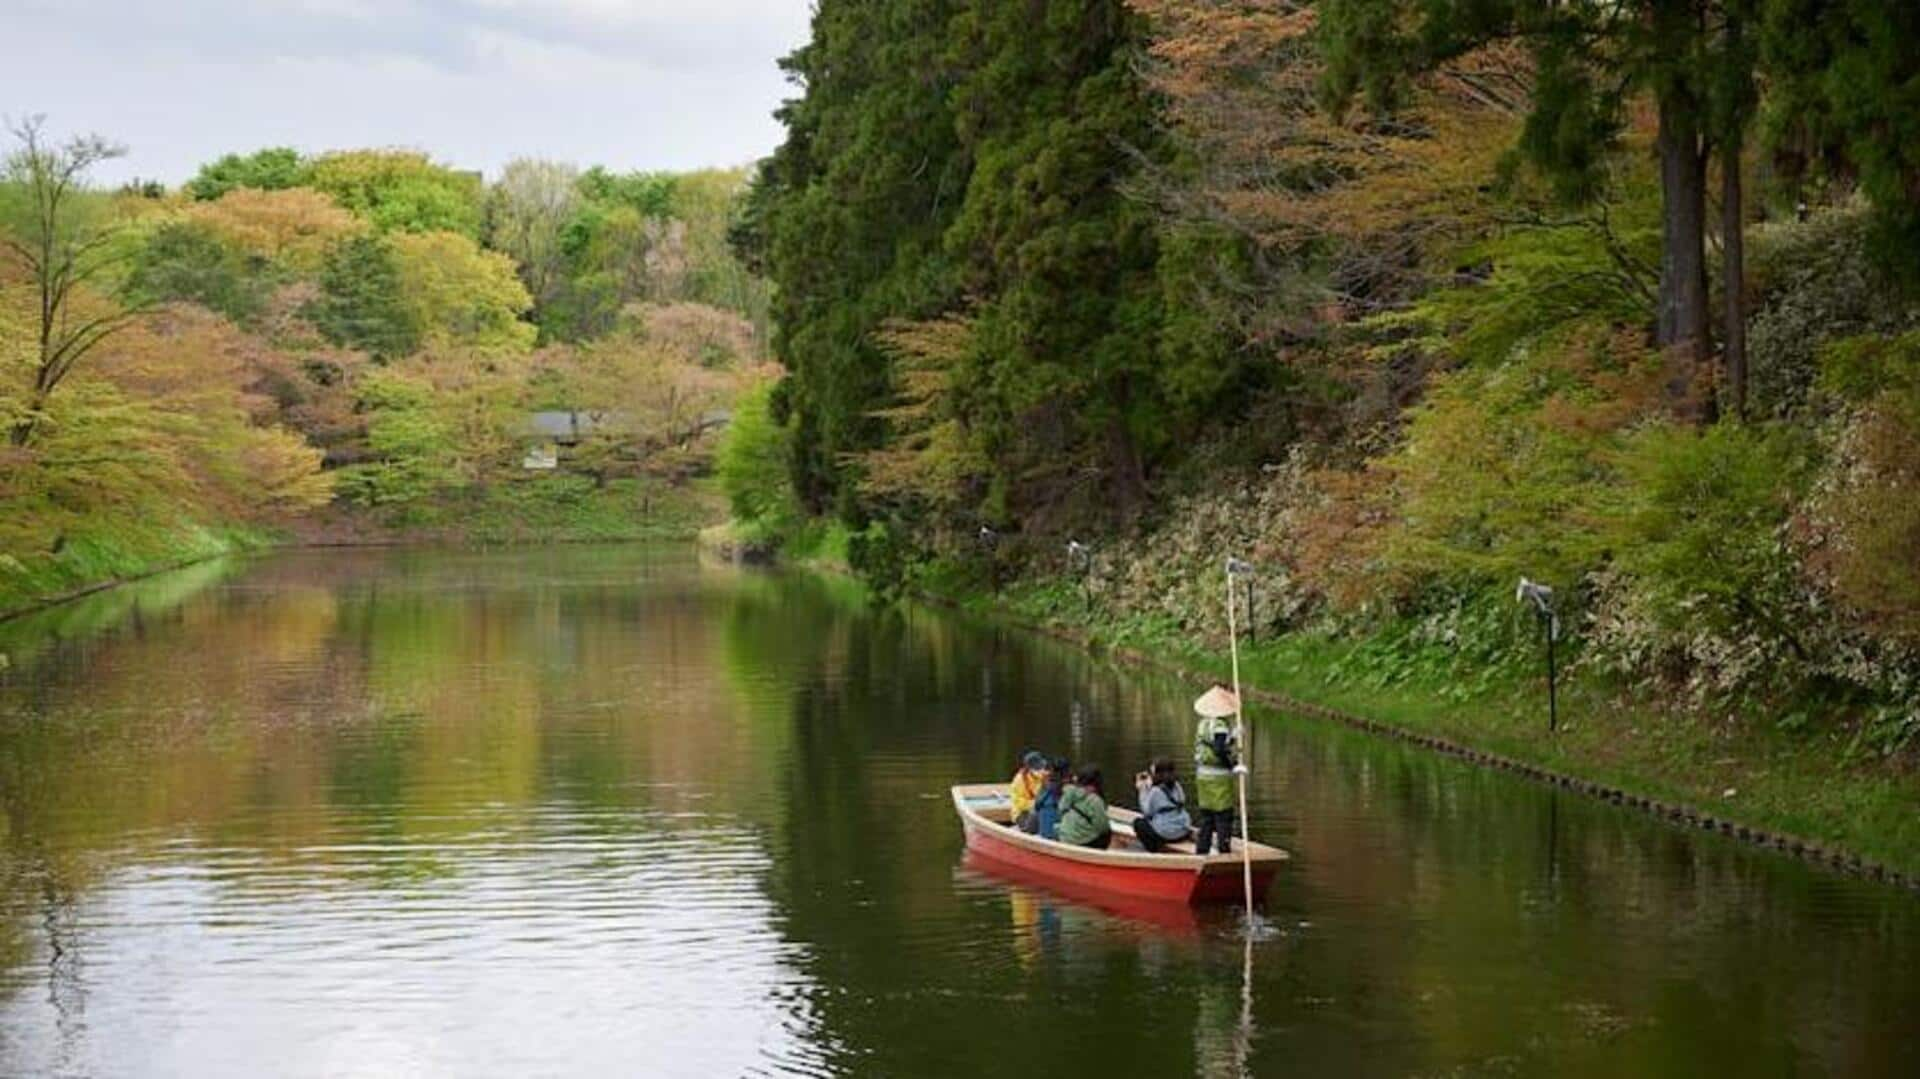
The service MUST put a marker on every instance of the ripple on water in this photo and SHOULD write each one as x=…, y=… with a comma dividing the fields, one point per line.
x=436, y=956
x=615, y=812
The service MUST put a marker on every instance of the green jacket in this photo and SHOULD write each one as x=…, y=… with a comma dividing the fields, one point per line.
x=1212, y=780
x=1083, y=816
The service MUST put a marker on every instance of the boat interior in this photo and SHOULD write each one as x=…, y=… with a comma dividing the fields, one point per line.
x=993, y=804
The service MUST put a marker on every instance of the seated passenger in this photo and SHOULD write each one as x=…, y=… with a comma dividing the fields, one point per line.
x=1045, y=819
x=1083, y=813
x=1025, y=785
x=1163, y=807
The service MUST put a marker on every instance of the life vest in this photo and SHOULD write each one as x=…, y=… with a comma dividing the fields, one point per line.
x=1213, y=779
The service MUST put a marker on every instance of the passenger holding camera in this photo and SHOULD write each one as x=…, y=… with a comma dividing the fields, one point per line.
x=1163, y=815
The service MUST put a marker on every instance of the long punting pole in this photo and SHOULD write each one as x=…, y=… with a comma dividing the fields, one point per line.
x=1240, y=737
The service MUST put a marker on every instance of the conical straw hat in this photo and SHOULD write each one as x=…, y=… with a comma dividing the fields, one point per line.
x=1217, y=703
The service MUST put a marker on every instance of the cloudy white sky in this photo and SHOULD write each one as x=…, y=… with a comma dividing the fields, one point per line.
x=632, y=84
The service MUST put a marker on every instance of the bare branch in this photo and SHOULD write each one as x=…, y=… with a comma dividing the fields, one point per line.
x=61, y=250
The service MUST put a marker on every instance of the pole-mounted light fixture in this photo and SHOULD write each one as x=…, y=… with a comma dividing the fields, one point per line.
x=1080, y=558
x=1541, y=598
x=987, y=538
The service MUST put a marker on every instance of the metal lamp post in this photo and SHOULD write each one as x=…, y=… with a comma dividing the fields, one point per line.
x=1541, y=596
x=1080, y=557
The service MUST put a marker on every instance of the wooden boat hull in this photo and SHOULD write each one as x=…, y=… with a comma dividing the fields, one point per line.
x=1176, y=876
x=1166, y=915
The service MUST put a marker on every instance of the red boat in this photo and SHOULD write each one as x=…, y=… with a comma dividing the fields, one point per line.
x=1177, y=874
x=1164, y=915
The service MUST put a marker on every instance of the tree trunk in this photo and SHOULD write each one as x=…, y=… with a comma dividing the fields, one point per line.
x=1733, y=273
x=1123, y=458
x=1682, y=328
x=1129, y=476
x=1128, y=471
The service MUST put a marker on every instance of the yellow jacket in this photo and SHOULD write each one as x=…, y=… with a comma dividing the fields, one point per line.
x=1025, y=785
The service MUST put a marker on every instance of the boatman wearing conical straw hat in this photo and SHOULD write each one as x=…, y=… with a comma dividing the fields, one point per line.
x=1215, y=752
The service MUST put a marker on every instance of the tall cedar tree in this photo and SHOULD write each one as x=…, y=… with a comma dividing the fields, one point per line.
x=361, y=303
x=847, y=219
x=1591, y=57
x=1052, y=111
x=973, y=155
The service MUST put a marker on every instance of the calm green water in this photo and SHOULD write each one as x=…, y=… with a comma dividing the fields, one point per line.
x=613, y=811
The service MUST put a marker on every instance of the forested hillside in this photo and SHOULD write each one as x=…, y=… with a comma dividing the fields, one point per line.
x=1403, y=301
x=358, y=343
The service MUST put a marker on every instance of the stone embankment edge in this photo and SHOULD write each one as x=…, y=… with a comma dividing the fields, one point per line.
x=1807, y=850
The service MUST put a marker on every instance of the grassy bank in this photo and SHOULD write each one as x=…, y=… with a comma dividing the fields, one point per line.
x=555, y=509
x=537, y=509
x=815, y=544
x=569, y=509
x=104, y=553
x=1775, y=777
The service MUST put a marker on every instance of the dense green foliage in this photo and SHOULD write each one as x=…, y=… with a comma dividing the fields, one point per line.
x=1067, y=337
x=275, y=168
x=399, y=190
x=412, y=444
x=592, y=244
x=290, y=331
x=1844, y=100
x=848, y=220
x=360, y=306
x=971, y=162
x=187, y=262
x=1141, y=274
x=752, y=466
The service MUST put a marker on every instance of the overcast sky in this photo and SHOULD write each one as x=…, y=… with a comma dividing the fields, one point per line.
x=632, y=84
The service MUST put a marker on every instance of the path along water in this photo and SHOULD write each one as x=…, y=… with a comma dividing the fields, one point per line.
x=614, y=811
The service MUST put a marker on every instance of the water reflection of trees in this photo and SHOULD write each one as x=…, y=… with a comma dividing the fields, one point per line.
x=1438, y=917
x=333, y=701
x=23, y=640
x=426, y=703
x=887, y=708
x=1615, y=942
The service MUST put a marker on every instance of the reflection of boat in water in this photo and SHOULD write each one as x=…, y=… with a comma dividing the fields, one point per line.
x=1027, y=886
x=1124, y=873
